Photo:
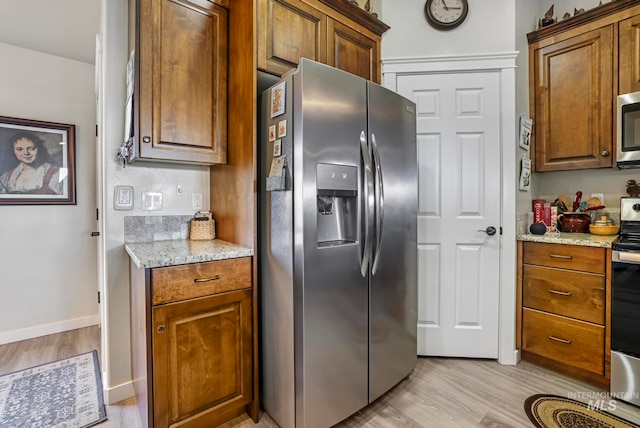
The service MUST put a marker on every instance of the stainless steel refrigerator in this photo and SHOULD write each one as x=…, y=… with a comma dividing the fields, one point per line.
x=338, y=268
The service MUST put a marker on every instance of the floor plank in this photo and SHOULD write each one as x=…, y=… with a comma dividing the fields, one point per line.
x=441, y=392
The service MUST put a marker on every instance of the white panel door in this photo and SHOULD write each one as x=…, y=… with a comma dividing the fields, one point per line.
x=458, y=125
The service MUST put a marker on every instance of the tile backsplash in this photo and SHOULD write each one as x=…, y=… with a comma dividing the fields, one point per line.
x=156, y=228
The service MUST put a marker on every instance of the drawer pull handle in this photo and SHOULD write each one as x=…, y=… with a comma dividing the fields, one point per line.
x=562, y=293
x=557, y=339
x=558, y=256
x=213, y=278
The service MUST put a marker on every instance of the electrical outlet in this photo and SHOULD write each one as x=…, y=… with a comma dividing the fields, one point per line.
x=151, y=201
x=179, y=190
x=196, y=201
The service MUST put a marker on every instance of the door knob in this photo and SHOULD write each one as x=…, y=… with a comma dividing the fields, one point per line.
x=489, y=230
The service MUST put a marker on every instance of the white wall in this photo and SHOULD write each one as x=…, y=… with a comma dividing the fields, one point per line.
x=488, y=28
x=48, y=278
x=527, y=15
x=143, y=177
x=548, y=185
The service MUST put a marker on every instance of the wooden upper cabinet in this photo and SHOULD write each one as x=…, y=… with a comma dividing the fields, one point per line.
x=333, y=32
x=629, y=55
x=352, y=51
x=292, y=30
x=181, y=81
x=572, y=101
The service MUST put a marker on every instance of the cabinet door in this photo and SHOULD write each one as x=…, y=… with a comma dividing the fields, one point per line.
x=201, y=359
x=352, y=51
x=573, y=102
x=183, y=75
x=287, y=31
x=629, y=55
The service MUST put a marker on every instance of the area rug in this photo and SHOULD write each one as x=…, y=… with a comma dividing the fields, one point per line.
x=63, y=394
x=552, y=411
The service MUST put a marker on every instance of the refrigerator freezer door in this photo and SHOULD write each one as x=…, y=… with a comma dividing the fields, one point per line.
x=330, y=295
x=393, y=285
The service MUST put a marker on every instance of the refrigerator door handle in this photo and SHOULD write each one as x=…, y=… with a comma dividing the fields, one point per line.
x=369, y=203
x=379, y=204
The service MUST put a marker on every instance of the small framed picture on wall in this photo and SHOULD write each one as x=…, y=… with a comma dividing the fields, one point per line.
x=37, y=162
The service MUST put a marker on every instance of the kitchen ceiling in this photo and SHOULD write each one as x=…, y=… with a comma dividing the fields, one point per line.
x=64, y=28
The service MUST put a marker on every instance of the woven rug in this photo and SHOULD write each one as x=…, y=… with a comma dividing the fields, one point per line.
x=552, y=411
x=63, y=394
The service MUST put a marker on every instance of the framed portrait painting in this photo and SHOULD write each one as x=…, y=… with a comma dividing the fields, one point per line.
x=37, y=162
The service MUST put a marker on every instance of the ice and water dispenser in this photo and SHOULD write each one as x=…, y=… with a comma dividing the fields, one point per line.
x=337, y=204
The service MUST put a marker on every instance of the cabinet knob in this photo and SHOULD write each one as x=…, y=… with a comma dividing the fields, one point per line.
x=160, y=328
x=146, y=139
x=605, y=153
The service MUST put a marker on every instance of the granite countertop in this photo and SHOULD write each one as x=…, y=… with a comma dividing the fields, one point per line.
x=179, y=252
x=584, y=239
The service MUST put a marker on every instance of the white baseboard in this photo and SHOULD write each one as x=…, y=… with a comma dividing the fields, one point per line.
x=117, y=393
x=510, y=359
x=45, y=329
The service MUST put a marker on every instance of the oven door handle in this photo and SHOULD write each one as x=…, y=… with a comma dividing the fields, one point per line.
x=625, y=256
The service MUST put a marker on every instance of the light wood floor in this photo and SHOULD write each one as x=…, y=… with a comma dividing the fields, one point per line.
x=441, y=392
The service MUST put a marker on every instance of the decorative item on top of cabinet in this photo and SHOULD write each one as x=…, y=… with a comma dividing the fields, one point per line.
x=327, y=31
x=180, y=94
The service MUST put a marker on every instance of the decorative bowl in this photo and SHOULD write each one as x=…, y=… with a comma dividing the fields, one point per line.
x=574, y=222
x=608, y=229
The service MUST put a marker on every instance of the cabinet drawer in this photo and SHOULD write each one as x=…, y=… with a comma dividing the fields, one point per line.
x=571, y=342
x=572, y=294
x=575, y=257
x=175, y=283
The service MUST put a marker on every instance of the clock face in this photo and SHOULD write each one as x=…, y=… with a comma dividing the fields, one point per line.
x=446, y=14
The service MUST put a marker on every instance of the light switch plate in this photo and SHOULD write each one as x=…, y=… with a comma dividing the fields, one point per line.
x=123, y=198
x=151, y=201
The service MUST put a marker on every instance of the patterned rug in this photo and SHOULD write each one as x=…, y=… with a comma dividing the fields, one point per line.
x=62, y=394
x=552, y=411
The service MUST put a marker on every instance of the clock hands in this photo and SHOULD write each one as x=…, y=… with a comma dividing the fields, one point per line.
x=448, y=7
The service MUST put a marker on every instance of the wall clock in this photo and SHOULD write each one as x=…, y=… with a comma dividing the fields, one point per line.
x=446, y=14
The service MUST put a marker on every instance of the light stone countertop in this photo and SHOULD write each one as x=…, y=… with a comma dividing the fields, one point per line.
x=179, y=252
x=584, y=239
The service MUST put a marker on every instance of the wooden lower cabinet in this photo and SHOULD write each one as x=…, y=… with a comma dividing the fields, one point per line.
x=192, y=342
x=201, y=359
x=563, y=308
x=565, y=340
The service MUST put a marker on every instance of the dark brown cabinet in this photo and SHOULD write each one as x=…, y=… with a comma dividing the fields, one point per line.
x=563, y=308
x=180, y=96
x=577, y=67
x=192, y=342
x=352, y=51
x=572, y=101
x=629, y=62
x=336, y=33
x=288, y=31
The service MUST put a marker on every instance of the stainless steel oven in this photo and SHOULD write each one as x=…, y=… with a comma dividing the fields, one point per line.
x=628, y=130
x=625, y=305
